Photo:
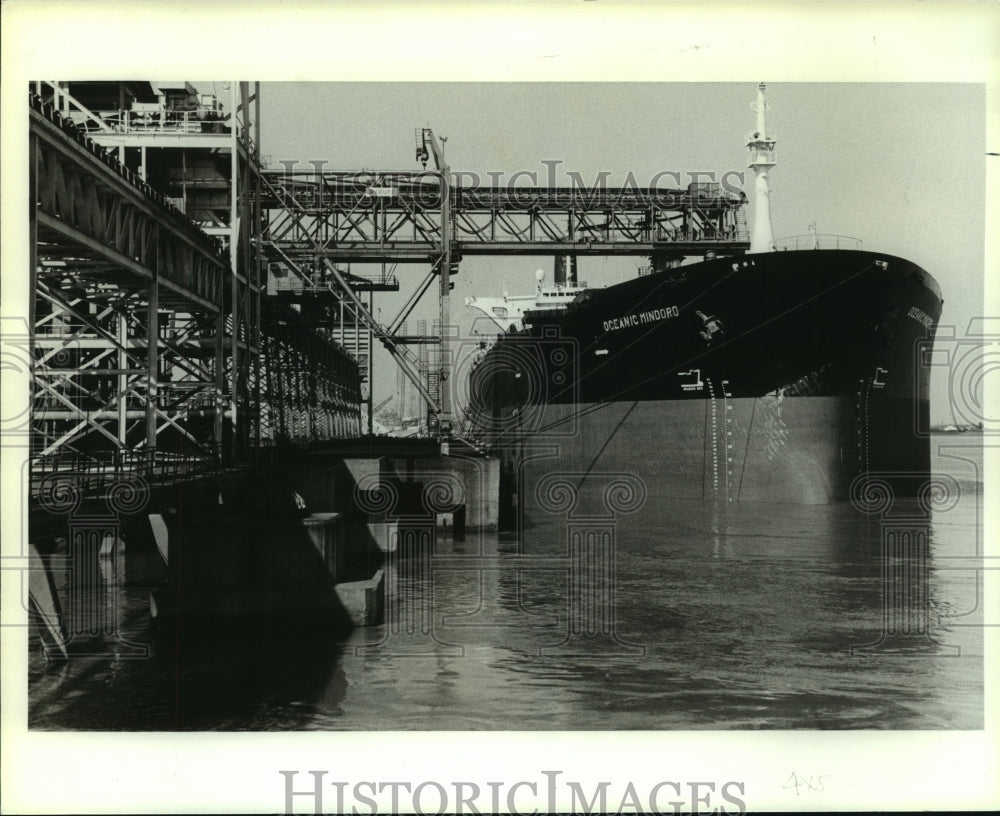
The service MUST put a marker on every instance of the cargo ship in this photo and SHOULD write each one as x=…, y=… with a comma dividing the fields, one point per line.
x=779, y=375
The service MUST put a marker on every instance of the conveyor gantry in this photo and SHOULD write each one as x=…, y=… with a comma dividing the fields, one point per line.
x=397, y=217
x=98, y=213
x=143, y=362
x=123, y=287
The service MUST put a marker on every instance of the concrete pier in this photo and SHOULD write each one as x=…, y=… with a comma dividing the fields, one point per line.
x=329, y=478
x=243, y=570
x=312, y=541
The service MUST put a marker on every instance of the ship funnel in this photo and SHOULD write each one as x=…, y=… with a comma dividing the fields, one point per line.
x=760, y=146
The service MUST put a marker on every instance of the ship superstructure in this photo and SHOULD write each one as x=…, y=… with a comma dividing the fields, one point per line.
x=508, y=311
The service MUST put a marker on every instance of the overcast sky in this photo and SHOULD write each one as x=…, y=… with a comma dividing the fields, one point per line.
x=900, y=166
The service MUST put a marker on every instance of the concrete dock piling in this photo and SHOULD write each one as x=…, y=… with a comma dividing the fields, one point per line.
x=317, y=539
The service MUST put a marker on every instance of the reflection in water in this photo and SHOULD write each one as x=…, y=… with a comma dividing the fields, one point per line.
x=748, y=615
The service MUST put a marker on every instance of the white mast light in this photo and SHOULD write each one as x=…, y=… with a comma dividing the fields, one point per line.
x=760, y=146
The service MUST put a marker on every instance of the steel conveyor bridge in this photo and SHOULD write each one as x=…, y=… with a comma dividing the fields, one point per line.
x=398, y=217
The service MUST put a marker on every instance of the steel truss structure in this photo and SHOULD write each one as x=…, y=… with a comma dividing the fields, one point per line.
x=186, y=299
x=315, y=220
x=151, y=347
x=398, y=217
x=314, y=385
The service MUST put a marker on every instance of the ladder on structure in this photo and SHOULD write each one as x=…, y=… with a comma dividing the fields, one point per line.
x=434, y=389
x=742, y=230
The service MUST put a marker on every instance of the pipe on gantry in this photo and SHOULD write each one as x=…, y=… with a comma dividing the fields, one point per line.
x=444, y=299
x=444, y=292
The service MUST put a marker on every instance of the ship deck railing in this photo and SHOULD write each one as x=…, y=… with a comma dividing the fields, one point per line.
x=815, y=241
x=161, y=121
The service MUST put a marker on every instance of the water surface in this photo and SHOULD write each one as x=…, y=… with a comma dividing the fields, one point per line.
x=748, y=616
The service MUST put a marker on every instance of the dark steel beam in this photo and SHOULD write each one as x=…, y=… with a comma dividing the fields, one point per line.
x=95, y=248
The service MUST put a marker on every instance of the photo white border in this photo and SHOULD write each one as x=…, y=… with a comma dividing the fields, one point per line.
x=530, y=41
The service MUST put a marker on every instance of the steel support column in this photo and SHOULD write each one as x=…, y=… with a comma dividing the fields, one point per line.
x=152, y=358
x=234, y=292
x=444, y=303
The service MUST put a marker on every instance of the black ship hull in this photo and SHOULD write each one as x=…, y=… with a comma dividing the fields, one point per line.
x=778, y=377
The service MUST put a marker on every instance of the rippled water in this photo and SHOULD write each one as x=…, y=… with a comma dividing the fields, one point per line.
x=751, y=616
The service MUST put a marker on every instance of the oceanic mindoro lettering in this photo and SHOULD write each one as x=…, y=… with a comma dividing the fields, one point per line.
x=651, y=316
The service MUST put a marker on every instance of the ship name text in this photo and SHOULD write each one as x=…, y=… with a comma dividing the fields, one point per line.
x=651, y=316
x=920, y=317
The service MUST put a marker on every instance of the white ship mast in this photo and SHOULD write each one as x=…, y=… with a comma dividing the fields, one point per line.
x=760, y=145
